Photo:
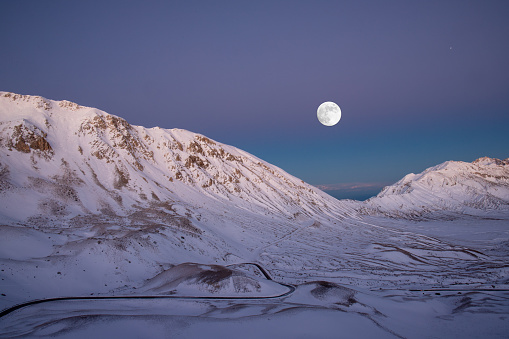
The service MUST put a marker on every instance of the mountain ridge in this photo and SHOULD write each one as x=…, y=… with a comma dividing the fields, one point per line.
x=143, y=163
x=95, y=162
x=478, y=188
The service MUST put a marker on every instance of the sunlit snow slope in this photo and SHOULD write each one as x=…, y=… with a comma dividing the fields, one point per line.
x=61, y=159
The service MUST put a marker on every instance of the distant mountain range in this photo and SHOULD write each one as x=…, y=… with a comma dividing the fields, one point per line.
x=60, y=160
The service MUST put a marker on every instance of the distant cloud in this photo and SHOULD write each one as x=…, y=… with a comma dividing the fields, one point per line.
x=353, y=190
x=352, y=186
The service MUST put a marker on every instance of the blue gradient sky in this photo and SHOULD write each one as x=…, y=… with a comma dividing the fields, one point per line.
x=252, y=74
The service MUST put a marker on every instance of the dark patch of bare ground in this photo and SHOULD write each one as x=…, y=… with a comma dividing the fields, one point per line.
x=214, y=275
x=329, y=291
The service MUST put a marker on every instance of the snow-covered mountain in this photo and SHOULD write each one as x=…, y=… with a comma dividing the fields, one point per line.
x=62, y=160
x=87, y=189
x=451, y=189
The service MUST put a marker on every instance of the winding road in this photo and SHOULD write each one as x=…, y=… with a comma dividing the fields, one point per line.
x=291, y=289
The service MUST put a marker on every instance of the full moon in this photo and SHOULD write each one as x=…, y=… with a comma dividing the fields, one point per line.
x=328, y=113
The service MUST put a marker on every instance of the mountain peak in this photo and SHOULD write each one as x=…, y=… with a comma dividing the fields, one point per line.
x=486, y=161
x=40, y=102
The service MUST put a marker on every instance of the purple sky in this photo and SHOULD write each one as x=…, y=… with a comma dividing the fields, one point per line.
x=418, y=82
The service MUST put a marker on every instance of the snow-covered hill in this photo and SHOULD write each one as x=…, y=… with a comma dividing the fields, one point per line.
x=448, y=190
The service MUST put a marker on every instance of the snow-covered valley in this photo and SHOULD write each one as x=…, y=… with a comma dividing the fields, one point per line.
x=93, y=206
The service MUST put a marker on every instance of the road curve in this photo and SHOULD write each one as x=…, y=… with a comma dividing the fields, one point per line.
x=291, y=289
x=260, y=268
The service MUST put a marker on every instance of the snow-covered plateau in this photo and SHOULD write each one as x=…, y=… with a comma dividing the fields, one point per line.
x=151, y=232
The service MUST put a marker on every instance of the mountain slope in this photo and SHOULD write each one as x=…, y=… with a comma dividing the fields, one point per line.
x=81, y=160
x=84, y=189
x=453, y=188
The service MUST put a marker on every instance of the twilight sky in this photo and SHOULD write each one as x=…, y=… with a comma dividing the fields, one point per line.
x=418, y=82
